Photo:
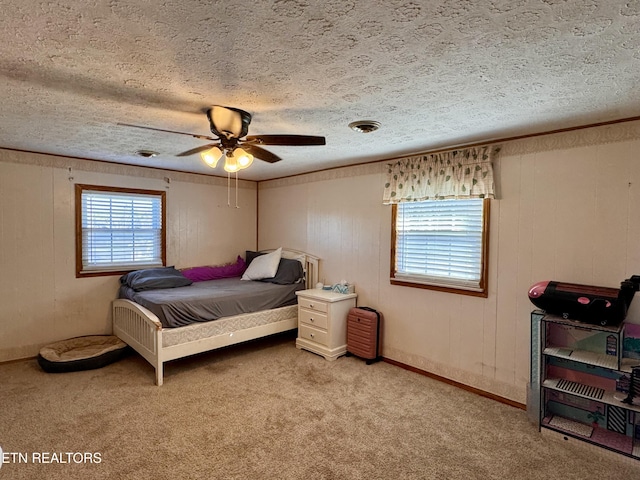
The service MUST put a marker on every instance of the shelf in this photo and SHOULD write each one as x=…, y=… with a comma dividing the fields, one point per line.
x=583, y=356
x=595, y=435
x=575, y=370
x=592, y=393
x=583, y=325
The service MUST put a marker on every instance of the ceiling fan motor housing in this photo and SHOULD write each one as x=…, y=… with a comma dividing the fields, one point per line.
x=228, y=122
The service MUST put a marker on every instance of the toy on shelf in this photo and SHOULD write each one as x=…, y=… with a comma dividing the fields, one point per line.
x=634, y=386
x=586, y=303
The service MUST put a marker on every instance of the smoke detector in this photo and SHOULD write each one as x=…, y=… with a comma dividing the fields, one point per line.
x=364, y=126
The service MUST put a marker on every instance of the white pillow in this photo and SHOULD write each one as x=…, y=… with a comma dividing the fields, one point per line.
x=264, y=266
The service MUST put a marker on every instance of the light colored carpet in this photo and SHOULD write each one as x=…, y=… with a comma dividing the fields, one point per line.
x=269, y=411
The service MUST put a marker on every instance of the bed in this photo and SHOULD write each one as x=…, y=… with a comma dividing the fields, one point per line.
x=149, y=331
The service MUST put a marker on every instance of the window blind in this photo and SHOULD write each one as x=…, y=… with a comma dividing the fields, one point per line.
x=440, y=242
x=120, y=229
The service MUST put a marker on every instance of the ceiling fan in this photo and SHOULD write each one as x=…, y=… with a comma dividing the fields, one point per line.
x=230, y=127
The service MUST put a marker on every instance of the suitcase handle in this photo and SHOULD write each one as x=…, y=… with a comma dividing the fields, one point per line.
x=369, y=309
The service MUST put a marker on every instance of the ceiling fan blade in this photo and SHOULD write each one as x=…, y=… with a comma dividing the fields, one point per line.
x=260, y=153
x=290, y=140
x=195, y=135
x=199, y=149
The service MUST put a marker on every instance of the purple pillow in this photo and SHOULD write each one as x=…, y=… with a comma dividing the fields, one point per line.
x=201, y=274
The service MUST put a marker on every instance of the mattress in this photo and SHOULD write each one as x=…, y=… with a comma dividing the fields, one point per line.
x=211, y=300
x=227, y=326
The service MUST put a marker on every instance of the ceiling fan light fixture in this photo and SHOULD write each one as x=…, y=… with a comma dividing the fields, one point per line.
x=243, y=158
x=364, y=126
x=231, y=164
x=212, y=156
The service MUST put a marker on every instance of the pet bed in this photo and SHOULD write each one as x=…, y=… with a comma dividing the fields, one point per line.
x=81, y=353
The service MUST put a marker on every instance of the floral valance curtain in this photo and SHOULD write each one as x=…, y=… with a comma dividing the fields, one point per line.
x=465, y=173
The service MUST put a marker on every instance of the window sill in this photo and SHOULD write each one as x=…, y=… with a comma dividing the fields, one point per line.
x=120, y=271
x=101, y=273
x=440, y=288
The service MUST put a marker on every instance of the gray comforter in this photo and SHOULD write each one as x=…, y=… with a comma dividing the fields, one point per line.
x=213, y=299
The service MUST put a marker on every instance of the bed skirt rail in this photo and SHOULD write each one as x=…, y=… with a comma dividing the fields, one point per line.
x=141, y=330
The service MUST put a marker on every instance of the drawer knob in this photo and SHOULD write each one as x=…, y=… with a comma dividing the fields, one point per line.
x=311, y=319
x=311, y=335
x=311, y=305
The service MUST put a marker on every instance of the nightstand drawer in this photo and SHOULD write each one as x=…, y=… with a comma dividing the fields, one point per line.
x=312, y=334
x=311, y=304
x=310, y=317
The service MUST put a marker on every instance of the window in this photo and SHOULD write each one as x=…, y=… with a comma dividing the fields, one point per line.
x=118, y=230
x=441, y=245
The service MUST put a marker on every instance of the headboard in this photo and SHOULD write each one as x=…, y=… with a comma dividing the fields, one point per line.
x=310, y=263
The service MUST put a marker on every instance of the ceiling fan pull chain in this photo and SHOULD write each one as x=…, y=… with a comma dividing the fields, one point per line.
x=237, y=189
x=228, y=189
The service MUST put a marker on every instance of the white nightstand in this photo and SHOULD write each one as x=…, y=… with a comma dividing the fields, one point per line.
x=322, y=321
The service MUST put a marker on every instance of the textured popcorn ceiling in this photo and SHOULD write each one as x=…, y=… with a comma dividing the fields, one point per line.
x=433, y=73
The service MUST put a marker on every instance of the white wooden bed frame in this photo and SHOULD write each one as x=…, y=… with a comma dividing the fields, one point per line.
x=141, y=329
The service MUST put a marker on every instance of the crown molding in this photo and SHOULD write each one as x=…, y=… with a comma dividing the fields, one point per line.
x=99, y=166
x=600, y=134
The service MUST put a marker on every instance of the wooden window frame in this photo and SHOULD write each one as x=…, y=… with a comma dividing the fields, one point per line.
x=79, y=188
x=484, y=271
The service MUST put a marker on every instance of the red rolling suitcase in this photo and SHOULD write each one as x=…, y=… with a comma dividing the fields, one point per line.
x=363, y=333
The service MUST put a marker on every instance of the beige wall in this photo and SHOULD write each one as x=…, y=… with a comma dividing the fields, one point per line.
x=41, y=301
x=569, y=209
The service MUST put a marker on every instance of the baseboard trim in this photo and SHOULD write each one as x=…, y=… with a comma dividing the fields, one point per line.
x=18, y=360
x=468, y=388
